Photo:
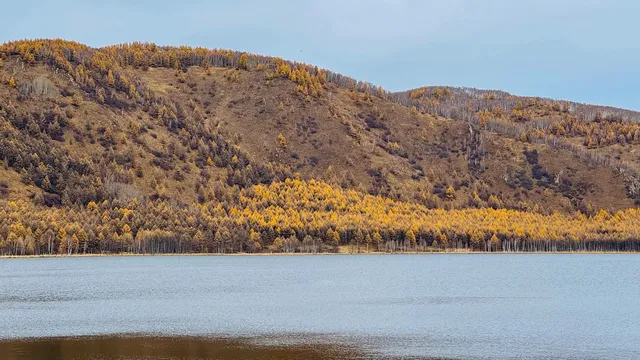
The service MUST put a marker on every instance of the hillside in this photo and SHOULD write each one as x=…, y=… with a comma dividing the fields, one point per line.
x=173, y=128
x=599, y=134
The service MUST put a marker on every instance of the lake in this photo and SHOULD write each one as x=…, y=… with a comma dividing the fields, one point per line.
x=467, y=306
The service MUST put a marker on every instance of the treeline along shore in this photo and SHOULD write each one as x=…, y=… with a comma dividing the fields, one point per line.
x=295, y=216
x=145, y=149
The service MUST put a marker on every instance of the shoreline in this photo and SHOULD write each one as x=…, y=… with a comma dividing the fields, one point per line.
x=324, y=254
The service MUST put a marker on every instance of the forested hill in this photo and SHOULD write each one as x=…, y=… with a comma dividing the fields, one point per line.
x=142, y=148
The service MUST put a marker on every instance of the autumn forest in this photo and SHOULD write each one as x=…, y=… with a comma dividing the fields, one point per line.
x=143, y=149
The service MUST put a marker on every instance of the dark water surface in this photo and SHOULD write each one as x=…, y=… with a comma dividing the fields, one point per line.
x=287, y=307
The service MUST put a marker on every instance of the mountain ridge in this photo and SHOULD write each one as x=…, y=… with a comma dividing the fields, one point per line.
x=84, y=128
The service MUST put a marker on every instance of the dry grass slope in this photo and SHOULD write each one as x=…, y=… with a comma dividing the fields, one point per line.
x=188, y=126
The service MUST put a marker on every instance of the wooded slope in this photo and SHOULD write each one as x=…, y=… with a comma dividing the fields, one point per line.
x=177, y=127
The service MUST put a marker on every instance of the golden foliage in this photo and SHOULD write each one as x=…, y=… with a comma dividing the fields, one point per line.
x=243, y=63
x=335, y=216
x=282, y=142
x=450, y=193
x=294, y=209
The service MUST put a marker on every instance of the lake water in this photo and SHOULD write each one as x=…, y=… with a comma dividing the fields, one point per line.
x=453, y=306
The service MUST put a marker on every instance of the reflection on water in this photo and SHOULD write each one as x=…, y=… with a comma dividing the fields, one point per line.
x=522, y=307
x=169, y=348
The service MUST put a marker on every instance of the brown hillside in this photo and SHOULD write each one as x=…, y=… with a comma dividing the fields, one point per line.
x=191, y=125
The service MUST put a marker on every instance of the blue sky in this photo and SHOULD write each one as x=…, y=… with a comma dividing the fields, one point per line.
x=585, y=51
